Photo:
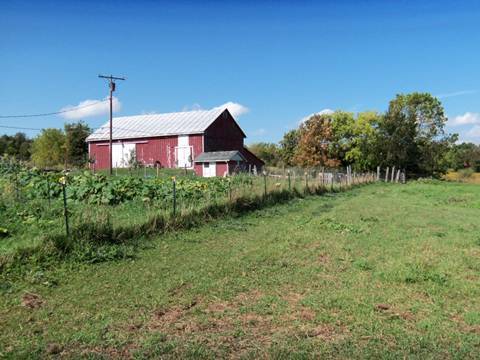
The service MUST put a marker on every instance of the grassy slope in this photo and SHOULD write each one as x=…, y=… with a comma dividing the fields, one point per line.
x=383, y=270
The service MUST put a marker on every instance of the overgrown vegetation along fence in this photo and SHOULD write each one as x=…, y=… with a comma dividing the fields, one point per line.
x=45, y=214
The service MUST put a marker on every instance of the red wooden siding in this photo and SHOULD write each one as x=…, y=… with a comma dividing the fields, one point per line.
x=156, y=150
x=222, y=168
x=252, y=159
x=223, y=135
x=198, y=168
x=150, y=151
x=99, y=153
x=196, y=142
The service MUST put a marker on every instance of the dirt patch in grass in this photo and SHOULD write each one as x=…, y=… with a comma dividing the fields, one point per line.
x=32, y=301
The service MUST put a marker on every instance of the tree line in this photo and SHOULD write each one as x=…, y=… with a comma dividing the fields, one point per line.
x=409, y=135
x=51, y=148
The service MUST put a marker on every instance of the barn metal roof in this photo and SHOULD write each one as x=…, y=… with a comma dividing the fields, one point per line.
x=214, y=156
x=141, y=126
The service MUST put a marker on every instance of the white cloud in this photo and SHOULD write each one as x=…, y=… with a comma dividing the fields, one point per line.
x=466, y=119
x=193, y=107
x=235, y=109
x=474, y=132
x=89, y=108
x=456, y=93
x=321, y=112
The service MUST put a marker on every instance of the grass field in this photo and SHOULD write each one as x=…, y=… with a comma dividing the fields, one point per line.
x=387, y=271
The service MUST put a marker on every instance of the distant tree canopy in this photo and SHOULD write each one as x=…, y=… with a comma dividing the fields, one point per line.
x=17, y=146
x=54, y=147
x=49, y=148
x=75, y=144
x=412, y=135
x=268, y=152
x=288, y=147
x=316, y=142
x=409, y=135
x=465, y=155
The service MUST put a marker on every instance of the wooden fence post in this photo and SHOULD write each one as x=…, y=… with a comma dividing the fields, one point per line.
x=264, y=183
x=378, y=173
x=398, y=176
x=393, y=174
x=289, y=181
x=386, y=175
x=48, y=191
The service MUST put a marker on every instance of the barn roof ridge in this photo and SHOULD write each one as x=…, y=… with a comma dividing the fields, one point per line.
x=165, y=124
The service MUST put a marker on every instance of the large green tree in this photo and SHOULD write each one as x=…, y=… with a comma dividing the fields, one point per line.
x=48, y=148
x=412, y=135
x=75, y=145
x=288, y=147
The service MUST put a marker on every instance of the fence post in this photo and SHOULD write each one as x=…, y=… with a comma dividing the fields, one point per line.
x=378, y=173
x=393, y=174
x=230, y=190
x=289, y=181
x=398, y=176
x=63, y=181
x=174, y=196
x=386, y=175
x=16, y=187
x=48, y=192
x=306, y=181
x=264, y=183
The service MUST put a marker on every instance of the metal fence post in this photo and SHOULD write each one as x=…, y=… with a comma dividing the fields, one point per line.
x=63, y=181
x=174, y=196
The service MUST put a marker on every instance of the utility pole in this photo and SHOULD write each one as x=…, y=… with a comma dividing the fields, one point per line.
x=111, y=83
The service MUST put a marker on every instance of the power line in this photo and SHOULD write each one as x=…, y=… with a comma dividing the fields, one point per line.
x=98, y=128
x=53, y=113
x=18, y=128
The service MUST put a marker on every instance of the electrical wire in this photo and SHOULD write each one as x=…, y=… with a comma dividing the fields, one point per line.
x=99, y=128
x=53, y=113
x=18, y=128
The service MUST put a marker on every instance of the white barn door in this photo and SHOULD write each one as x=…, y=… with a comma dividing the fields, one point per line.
x=121, y=155
x=183, y=152
x=209, y=169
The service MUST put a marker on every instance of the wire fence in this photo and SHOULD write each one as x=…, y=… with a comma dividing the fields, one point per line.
x=37, y=204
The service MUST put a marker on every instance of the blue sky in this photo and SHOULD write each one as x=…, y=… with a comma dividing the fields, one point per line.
x=277, y=61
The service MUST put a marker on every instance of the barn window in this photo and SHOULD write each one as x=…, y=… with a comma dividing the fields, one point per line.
x=206, y=165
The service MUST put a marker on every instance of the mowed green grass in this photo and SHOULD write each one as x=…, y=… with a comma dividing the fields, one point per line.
x=384, y=271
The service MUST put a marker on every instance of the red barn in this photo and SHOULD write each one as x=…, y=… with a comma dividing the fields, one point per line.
x=210, y=142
